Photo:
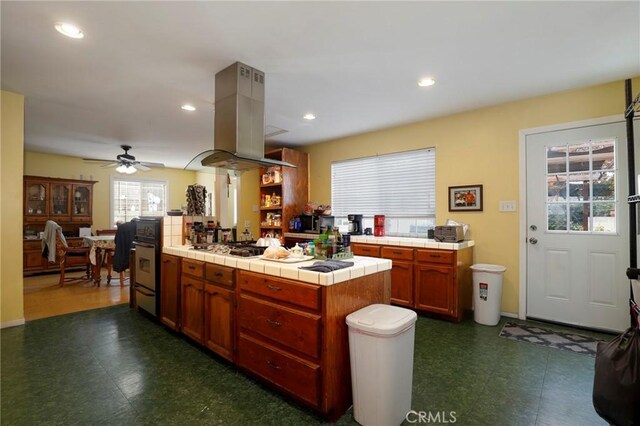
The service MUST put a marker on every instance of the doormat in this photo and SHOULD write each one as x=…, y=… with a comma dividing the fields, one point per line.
x=554, y=339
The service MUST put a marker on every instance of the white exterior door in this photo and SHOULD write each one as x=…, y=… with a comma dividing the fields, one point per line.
x=577, y=226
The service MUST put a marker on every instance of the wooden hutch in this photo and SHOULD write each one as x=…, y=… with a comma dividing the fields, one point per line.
x=68, y=202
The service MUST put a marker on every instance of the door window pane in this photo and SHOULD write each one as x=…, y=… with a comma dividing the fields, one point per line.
x=604, y=217
x=604, y=187
x=579, y=216
x=557, y=188
x=603, y=155
x=557, y=217
x=557, y=159
x=579, y=157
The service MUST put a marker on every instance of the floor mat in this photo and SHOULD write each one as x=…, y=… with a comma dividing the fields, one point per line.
x=554, y=339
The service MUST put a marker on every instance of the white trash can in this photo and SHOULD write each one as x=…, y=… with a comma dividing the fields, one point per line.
x=381, y=341
x=487, y=293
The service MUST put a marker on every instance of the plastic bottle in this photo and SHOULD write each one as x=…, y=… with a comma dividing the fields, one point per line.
x=311, y=248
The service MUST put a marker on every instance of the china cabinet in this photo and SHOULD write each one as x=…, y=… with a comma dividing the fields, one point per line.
x=68, y=202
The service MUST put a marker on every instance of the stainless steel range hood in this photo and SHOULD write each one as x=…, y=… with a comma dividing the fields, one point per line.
x=239, y=120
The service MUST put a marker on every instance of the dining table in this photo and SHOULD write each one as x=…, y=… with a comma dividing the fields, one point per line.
x=102, y=246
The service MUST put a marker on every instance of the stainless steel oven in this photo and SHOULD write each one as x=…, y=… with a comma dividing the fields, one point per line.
x=147, y=242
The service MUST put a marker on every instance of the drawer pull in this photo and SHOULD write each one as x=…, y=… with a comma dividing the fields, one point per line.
x=396, y=252
x=274, y=323
x=274, y=366
x=434, y=255
x=218, y=274
x=273, y=287
x=191, y=267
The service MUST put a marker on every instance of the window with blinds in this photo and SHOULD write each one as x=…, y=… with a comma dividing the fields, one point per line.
x=134, y=198
x=400, y=186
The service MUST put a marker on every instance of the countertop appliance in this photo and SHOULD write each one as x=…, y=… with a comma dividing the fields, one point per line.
x=355, y=224
x=148, y=244
x=325, y=223
x=313, y=224
x=449, y=234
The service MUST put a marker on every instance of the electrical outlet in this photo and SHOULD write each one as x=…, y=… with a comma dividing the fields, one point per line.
x=508, y=206
x=247, y=224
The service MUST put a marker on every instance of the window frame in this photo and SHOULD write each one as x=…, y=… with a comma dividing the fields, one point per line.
x=129, y=178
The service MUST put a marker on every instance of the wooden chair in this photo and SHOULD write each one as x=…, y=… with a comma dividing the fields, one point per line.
x=64, y=252
x=108, y=256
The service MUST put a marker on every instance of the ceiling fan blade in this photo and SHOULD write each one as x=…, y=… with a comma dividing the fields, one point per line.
x=141, y=167
x=110, y=164
x=148, y=164
x=102, y=160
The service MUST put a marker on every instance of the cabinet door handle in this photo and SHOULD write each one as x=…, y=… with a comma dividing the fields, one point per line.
x=166, y=261
x=274, y=366
x=274, y=323
x=273, y=287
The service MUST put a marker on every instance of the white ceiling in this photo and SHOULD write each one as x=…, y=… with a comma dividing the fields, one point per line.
x=354, y=64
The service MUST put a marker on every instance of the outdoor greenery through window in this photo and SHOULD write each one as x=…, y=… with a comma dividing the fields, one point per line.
x=134, y=198
x=400, y=186
x=581, y=192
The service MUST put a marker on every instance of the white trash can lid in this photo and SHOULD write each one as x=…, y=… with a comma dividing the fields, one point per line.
x=381, y=319
x=485, y=267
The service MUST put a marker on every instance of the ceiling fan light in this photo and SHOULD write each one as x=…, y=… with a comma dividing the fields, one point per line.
x=121, y=168
x=130, y=170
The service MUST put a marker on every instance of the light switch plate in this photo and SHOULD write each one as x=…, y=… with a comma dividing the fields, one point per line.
x=255, y=208
x=247, y=224
x=508, y=206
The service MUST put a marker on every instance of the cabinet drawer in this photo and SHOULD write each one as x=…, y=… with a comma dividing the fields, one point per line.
x=295, y=329
x=435, y=256
x=32, y=245
x=192, y=267
x=299, y=377
x=365, y=250
x=187, y=281
x=305, y=295
x=219, y=274
x=397, y=253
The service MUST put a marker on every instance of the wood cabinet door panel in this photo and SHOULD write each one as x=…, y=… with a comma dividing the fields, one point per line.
x=365, y=250
x=397, y=253
x=296, y=329
x=218, y=320
x=402, y=283
x=293, y=374
x=170, y=291
x=434, y=290
x=33, y=260
x=305, y=295
x=435, y=256
x=192, y=308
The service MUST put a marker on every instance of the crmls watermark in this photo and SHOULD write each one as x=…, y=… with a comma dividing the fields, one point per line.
x=441, y=417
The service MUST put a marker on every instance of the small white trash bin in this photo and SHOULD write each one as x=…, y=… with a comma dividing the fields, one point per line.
x=487, y=293
x=381, y=341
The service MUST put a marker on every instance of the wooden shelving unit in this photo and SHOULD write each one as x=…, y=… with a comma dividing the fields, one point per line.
x=290, y=188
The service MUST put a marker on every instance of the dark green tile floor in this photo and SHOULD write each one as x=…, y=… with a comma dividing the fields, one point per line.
x=113, y=366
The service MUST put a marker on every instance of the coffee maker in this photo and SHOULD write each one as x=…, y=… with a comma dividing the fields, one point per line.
x=355, y=224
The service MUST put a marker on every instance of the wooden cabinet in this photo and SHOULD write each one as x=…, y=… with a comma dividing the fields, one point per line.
x=219, y=310
x=283, y=191
x=192, y=285
x=67, y=202
x=33, y=262
x=434, y=281
x=170, y=291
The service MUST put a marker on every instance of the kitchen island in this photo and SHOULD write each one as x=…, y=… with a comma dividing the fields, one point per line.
x=281, y=324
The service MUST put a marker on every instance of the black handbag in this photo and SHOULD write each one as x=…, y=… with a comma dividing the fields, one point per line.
x=616, y=386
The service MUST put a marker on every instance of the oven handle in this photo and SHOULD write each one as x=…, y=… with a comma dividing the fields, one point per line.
x=139, y=288
x=147, y=245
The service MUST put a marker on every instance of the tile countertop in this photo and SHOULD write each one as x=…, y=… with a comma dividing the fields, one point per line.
x=395, y=241
x=362, y=266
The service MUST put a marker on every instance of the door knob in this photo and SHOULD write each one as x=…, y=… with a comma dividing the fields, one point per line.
x=533, y=240
x=533, y=227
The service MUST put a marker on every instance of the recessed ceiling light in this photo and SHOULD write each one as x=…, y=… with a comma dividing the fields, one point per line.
x=425, y=82
x=69, y=30
x=309, y=116
x=188, y=107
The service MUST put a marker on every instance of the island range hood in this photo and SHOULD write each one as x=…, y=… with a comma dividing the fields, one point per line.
x=239, y=121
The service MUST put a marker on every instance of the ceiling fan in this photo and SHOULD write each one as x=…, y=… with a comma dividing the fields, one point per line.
x=126, y=163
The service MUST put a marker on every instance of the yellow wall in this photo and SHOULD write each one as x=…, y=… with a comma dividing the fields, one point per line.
x=475, y=147
x=11, y=148
x=61, y=166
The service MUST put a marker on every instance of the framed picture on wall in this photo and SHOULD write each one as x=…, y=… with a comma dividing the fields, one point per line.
x=465, y=198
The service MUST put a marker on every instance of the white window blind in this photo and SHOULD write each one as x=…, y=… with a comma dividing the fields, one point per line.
x=400, y=185
x=134, y=198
